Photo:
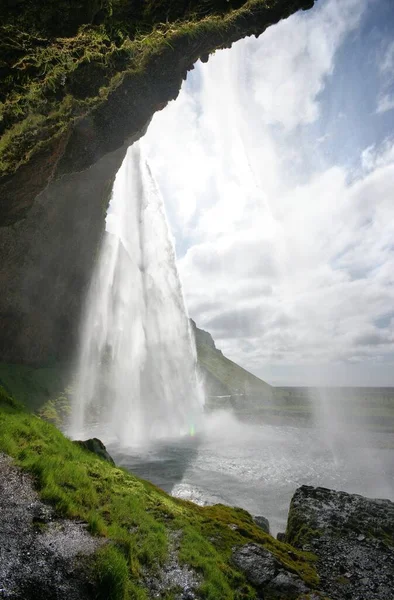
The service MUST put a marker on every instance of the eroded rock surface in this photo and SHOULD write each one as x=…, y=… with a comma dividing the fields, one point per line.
x=267, y=574
x=40, y=555
x=353, y=538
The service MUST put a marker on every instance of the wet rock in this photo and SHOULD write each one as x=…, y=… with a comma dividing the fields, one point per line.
x=40, y=556
x=265, y=573
x=262, y=522
x=286, y=585
x=258, y=565
x=97, y=447
x=353, y=538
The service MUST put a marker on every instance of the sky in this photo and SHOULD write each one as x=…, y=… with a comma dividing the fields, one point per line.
x=276, y=165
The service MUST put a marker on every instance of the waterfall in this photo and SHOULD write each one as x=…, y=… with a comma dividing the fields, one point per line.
x=136, y=379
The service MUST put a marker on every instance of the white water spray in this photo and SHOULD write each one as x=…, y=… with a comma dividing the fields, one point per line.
x=136, y=378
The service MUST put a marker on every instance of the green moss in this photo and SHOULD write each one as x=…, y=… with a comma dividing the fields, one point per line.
x=35, y=387
x=135, y=516
x=300, y=534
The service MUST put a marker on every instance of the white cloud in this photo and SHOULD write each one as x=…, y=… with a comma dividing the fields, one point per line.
x=385, y=100
x=286, y=264
x=291, y=64
x=386, y=66
x=385, y=103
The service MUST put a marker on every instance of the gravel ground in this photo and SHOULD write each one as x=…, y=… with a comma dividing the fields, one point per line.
x=41, y=556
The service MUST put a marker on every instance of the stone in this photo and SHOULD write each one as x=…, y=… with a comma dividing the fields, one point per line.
x=97, y=447
x=352, y=537
x=258, y=564
x=286, y=585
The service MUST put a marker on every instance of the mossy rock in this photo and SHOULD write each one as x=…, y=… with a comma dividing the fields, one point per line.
x=97, y=447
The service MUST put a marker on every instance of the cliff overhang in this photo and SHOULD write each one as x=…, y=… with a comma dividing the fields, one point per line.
x=80, y=79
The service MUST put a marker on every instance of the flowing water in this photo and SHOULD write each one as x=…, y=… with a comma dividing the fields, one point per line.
x=239, y=157
x=136, y=376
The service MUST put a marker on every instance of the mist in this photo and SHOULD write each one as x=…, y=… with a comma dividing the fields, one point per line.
x=276, y=169
x=283, y=244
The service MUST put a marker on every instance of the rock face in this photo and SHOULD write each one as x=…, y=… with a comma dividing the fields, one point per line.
x=267, y=575
x=353, y=538
x=40, y=555
x=97, y=447
x=262, y=522
x=203, y=337
x=46, y=261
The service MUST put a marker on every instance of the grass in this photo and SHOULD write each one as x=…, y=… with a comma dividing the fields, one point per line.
x=135, y=516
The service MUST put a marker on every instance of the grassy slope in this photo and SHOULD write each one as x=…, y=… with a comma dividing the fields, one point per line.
x=135, y=515
x=33, y=387
x=230, y=376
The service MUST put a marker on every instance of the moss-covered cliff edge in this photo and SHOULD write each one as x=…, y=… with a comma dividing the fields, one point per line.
x=144, y=536
x=78, y=79
x=96, y=532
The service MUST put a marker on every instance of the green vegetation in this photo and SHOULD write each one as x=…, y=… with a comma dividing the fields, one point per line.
x=33, y=386
x=226, y=377
x=136, y=516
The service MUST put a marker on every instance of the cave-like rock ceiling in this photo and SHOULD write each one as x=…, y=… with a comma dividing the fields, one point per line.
x=78, y=78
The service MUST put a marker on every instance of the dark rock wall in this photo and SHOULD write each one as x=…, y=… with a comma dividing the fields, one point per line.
x=46, y=261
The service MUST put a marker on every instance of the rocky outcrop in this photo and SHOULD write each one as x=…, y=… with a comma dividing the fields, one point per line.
x=203, y=337
x=352, y=537
x=97, y=447
x=267, y=575
x=262, y=522
x=78, y=84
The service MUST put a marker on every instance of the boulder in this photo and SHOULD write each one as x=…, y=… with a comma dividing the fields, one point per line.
x=352, y=537
x=97, y=447
x=267, y=575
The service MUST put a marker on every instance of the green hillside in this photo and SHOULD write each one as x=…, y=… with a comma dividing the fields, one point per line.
x=221, y=375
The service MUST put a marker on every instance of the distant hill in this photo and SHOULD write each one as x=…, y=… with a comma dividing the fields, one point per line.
x=222, y=376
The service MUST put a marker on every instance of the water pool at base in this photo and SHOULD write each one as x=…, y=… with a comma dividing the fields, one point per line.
x=259, y=466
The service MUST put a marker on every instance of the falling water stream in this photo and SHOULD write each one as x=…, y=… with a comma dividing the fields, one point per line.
x=136, y=377
x=136, y=384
